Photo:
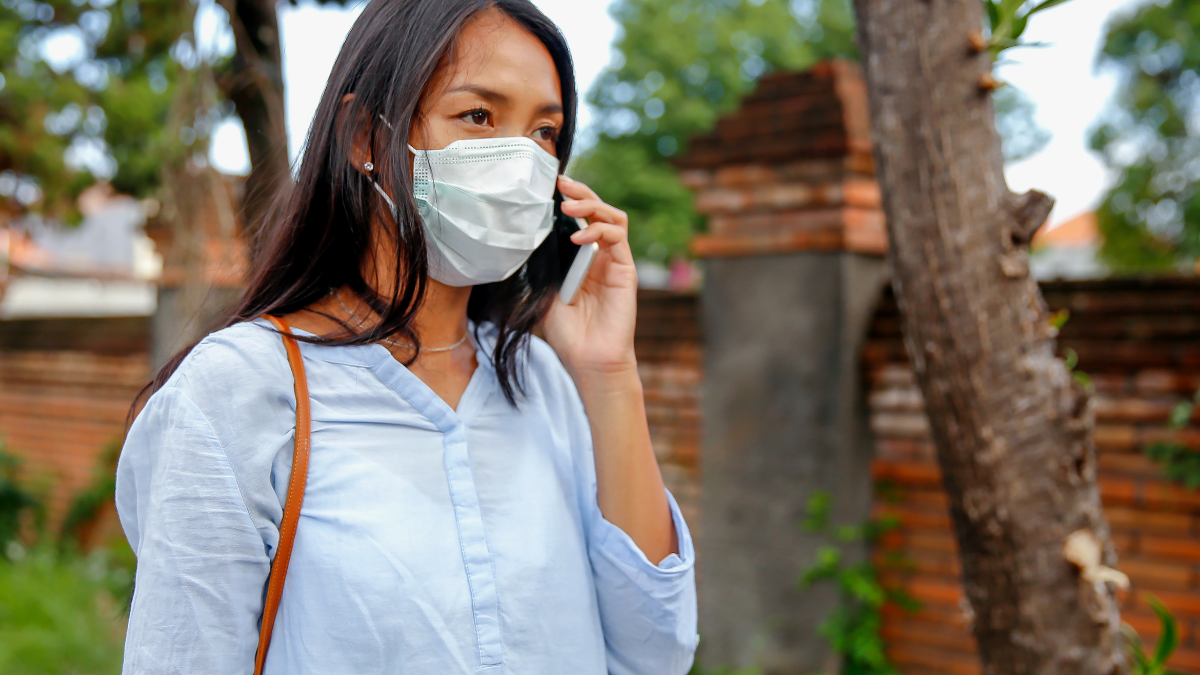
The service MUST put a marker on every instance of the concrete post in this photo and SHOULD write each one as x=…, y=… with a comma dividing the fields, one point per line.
x=793, y=267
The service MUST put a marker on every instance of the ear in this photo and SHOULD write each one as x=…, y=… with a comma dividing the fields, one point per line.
x=359, y=154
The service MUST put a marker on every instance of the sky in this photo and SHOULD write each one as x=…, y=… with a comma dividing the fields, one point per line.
x=1060, y=78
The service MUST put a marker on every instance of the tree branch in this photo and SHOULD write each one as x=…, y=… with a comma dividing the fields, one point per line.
x=1031, y=211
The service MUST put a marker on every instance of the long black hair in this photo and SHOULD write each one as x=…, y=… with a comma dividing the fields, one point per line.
x=319, y=235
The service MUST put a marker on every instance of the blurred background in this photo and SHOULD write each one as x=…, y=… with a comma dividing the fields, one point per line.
x=140, y=141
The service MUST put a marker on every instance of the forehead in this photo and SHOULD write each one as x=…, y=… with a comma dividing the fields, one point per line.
x=500, y=53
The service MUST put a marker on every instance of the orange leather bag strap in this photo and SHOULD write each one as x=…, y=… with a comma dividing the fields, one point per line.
x=295, y=494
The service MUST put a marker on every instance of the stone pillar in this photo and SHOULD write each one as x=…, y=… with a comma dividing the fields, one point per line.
x=793, y=267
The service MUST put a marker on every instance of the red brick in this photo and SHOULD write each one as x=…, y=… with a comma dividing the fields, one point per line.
x=1185, y=659
x=1117, y=490
x=1157, y=574
x=1162, y=494
x=937, y=590
x=1179, y=548
x=1189, y=437
x=903, y=450
x=1125, y=518
x=1130, y=464
x=1115, y=437
x=916, y=518
x=940, y=661
x=1129, y=409
x=907, y=473
x=1158, y=381
x=929, y=635
x=926, y=497
x=1184, y=605
x=1110, y=383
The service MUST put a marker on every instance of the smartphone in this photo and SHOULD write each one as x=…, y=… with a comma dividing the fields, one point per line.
x=584, y=256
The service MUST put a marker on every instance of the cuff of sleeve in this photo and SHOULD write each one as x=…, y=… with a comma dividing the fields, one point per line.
x=618, y=547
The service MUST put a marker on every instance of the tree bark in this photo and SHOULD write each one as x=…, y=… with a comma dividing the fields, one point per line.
x=1011, y=425
x=253, y=81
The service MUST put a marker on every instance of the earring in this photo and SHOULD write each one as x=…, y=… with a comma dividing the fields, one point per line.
x=368, y=167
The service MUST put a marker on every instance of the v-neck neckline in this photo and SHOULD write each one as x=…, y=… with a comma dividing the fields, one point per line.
x=403, y=381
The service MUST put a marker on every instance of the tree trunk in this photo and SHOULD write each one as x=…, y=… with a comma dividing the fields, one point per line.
x=1011, y=425
x=254, y=82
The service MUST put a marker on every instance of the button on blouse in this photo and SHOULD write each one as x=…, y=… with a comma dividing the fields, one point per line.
x=431, y=540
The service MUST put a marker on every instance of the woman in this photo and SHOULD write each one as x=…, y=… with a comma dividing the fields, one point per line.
x=477, y=501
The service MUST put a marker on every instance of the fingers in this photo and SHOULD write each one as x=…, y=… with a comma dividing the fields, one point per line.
x=574, y=189
x=595, y=210
x=610, y=236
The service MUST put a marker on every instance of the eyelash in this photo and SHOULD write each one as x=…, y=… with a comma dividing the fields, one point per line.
x=475, y=111
x=470, y=114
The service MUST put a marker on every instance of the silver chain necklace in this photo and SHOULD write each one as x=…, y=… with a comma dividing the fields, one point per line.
x=395, y=343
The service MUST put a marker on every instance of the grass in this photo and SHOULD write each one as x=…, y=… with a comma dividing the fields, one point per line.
x=61, y=613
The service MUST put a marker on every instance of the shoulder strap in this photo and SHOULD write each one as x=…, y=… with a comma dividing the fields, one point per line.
x=295, y=494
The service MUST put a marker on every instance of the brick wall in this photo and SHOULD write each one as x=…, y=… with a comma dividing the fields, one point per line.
x=668, y=350
x=1139, y=341
x=65, y=386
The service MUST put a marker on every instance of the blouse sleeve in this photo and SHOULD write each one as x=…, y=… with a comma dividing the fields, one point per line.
x=202, y=563
x=648, y=611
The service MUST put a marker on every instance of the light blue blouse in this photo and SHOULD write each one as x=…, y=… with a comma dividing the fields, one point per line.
x=432, y=541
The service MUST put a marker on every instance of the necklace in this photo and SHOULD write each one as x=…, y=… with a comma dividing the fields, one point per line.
x=396, y=343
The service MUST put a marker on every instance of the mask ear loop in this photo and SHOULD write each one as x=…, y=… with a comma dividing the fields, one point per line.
x=391, y=204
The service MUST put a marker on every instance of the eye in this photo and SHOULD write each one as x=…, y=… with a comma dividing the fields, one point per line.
x=478, y=116
x=548, y=134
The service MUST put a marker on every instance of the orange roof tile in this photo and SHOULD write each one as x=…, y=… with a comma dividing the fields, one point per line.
x=1078, y=232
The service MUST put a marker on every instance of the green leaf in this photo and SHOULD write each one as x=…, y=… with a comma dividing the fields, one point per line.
x=1134, y=641
x=993, y=14
x=1070, y=358
x=1059, y=319
x=1008, y=8
x=826, y=566
x=1043, y=6
x=1170, y=635
x=849, y=533
x=1181, y=414
x=1018, y=27
x=816, y=518
x=860, y=583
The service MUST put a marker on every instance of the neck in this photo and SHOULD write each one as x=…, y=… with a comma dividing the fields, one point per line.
x=442, y=317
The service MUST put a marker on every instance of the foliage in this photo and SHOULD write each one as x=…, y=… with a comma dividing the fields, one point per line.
x=1144, y=664
x=1008, y=19
x=87, y=504
x=1181, y=463
x=61, y=611
x=115, y=556
x=853, y=628
x=16, y=501
x=1070, y=362
x=681, y=64
x=85, y=87
x=1150, y=137
x=58, y=615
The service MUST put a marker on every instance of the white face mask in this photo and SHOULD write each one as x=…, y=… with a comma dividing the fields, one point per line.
x=485, y=204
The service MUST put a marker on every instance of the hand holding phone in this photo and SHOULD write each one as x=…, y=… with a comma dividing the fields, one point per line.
x=580, y=267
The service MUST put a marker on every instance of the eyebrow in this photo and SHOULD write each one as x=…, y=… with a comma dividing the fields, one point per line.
x=501, y=99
